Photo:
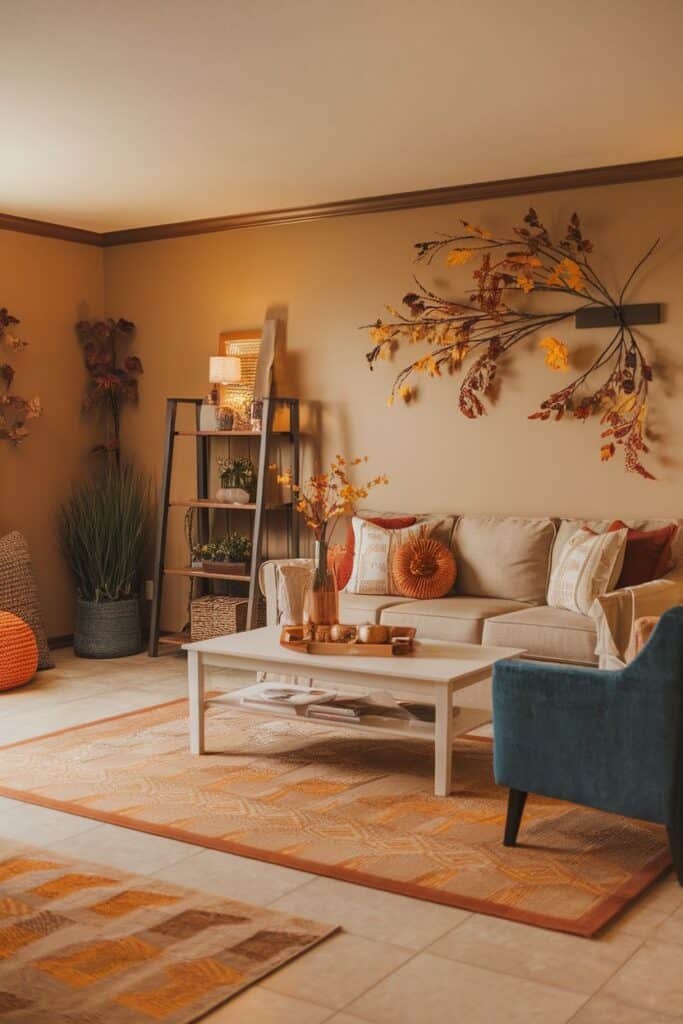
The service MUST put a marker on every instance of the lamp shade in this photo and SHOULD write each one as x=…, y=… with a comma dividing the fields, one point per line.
x=224, y=369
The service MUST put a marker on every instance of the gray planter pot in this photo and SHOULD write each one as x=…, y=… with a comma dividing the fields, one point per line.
x=107, y=629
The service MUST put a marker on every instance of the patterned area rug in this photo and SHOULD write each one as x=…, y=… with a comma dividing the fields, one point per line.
x=84, y=944
x=358, y=808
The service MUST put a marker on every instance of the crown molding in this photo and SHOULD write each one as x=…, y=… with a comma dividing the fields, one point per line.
x=27, y=226
x=616, y=174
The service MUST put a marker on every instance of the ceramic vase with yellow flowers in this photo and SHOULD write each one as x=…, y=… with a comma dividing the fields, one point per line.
x=321, y=500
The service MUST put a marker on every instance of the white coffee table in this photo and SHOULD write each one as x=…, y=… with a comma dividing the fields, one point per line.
x=432, y=674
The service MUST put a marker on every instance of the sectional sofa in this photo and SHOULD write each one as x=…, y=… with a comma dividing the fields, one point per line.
x=504, y=564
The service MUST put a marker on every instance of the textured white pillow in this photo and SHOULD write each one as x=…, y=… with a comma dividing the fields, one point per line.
x=373, y=554
x=292, y=584
x=590, y=565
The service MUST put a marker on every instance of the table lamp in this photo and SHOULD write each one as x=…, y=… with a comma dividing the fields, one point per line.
x=222, y=370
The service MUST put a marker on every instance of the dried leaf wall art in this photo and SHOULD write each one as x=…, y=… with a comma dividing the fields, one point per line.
x=471, y=336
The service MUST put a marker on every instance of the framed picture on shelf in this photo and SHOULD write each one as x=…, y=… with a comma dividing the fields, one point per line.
x=255, y=349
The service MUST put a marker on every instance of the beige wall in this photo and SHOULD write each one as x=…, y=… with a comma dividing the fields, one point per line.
x=327, y=277
x=49, y=285
x=324, y=279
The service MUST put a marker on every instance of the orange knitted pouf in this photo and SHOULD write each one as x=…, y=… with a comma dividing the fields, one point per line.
x=18, y=652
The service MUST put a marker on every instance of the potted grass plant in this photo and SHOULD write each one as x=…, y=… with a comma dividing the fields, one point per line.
x=104, y=530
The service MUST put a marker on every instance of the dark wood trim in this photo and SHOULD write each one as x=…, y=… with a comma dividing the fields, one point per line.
x=617, y=174
x=27, y=226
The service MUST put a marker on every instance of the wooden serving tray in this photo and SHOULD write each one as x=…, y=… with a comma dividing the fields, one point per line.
x=402, y=642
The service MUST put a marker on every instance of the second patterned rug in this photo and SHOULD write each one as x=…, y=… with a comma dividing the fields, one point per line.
x=87, y=944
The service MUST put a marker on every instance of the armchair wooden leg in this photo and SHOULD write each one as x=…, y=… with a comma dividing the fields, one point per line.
x=516, y=802
x=676, y=844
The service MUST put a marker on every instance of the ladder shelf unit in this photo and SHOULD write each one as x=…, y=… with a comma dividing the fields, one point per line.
x=258, y=509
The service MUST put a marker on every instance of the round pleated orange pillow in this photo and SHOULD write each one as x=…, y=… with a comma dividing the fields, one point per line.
x=18, y=652
x=423, y=568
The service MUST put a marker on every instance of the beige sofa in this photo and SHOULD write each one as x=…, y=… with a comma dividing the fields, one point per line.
x=504, y=564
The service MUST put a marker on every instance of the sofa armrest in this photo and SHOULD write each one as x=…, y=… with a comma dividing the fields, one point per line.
x=268, y=582
x=615, y=613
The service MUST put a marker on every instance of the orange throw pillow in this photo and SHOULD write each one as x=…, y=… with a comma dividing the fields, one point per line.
x=648, y=553
x=423, y=569
x=340, y=556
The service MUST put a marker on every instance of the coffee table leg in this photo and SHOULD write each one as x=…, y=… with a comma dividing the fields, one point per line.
x=195, y=681
x=443, y=741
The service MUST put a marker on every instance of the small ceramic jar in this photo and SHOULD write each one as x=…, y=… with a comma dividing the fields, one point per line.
x=372, y=633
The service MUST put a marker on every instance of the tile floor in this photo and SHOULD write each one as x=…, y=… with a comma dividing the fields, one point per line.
x=397, y=960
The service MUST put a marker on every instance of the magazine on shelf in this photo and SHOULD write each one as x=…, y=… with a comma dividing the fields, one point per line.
x=283, y=696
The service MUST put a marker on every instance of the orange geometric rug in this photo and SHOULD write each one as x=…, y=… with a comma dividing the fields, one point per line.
x=85, y=944
x=355, y=807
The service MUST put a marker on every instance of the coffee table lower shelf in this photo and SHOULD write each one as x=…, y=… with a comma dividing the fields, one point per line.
x=465, y=721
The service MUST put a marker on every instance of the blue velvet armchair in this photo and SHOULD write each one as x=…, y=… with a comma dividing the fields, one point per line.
x=606, y=739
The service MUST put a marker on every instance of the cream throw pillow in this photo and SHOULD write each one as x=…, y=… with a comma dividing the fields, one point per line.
x=373, y=553
x=590, y=565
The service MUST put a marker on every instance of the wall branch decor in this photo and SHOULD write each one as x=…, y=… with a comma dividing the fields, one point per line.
x=15, y=411
x=473, y=335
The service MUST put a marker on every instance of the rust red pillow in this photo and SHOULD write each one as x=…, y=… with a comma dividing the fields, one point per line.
x=648, y=553
x=340, y=556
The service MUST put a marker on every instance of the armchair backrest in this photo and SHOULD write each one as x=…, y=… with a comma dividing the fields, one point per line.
x=657, y=672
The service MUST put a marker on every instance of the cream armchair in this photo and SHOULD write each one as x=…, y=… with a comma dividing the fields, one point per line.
x=615, y=613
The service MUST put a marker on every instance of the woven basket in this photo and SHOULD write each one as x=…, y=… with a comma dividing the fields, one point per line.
x=214, y=615
x=107, y=629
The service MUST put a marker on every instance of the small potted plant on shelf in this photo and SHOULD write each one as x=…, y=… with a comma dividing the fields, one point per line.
x=228, y=556
x=238, y=480
x=104, y=531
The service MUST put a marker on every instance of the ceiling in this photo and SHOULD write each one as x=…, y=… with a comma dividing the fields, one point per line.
x=125, y=113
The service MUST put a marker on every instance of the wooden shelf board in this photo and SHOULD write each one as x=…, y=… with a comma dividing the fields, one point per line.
x=202, y=574
x=205, y=503
x=174, y=639
x=226, y=433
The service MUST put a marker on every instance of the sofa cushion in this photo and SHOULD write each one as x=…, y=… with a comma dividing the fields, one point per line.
x=568, y=527
x=373, y=553
x=357, y=608
x=550, y=634
x=460, y=619
x=442, y=532
x=507, y=557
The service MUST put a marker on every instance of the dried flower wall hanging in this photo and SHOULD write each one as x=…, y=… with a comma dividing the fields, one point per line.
x=15, y=411
x=473, y=335
x=112, y=381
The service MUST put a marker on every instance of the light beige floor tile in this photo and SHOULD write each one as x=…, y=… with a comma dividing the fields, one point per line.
x=337, y=970
x=40, y=826
x=607, y=1010
x=345, y=1018
x=671, y=930
x=652, y=979
x=433, y=990
x=125, y=849
x=237, y=878
x=582, y=965
x=258, y=1005
x=651, y=909
x=370, y=912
